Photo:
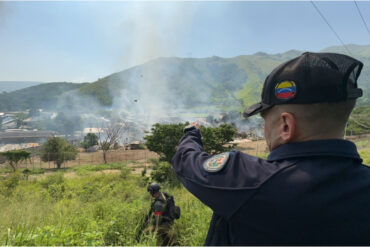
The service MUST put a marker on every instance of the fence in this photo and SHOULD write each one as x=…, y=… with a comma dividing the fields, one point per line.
x=85, y=158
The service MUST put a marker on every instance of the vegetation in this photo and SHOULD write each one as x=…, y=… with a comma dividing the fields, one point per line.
x=89, y=209
x=58, y=150
x=65, y=124
x=229, y=84
x=109, y=137
x=359, y=122
x=15, y=156
x=365, y=155
x=99, y=91
x=89, y=140
x=164, y=174
x=41, y=96
x=84, y=206
x=216, y=139
x=164, y=138
x=20, y=117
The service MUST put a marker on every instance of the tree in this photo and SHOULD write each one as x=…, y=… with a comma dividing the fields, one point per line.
x=15, y=156
x=110, y=135
x=163, y=173
x=58, y=150
x=19, y=118
x=216, y=139
x=90, y=140
x=66, y=124
x=34, y=112
x=164, y=138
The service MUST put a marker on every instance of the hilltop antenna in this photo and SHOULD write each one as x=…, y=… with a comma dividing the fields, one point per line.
x=363, y=19
x=332, y=29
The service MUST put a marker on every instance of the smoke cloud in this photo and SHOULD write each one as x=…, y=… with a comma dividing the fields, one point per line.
x=147, y=97
x=158, y=90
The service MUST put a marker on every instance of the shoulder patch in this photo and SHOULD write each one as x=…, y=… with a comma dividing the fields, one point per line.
x=216, y=163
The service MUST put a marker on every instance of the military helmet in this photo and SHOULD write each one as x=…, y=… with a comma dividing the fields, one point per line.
x=153, y=188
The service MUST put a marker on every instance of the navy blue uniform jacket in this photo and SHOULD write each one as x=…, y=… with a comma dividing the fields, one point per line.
x=306, y=193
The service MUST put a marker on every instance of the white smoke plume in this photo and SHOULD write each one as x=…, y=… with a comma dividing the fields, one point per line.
x=146, y=97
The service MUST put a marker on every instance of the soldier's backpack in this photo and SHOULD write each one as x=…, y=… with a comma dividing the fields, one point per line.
x=172, y=210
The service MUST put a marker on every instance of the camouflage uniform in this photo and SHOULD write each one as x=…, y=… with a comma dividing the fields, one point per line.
x=160, y=220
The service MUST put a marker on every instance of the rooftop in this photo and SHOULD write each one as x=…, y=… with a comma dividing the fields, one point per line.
x=26, y=134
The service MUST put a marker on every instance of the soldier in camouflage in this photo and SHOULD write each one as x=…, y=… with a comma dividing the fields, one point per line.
x=159, y=219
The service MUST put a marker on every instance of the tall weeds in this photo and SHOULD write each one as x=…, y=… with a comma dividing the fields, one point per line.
x=91, y=208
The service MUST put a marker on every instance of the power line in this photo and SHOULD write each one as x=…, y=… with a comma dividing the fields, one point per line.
x=363, y=19
x=332, y=29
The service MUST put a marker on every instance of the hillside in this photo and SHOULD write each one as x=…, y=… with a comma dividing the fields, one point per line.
x=40, y=96
x=8, y=86
x=226, y=83
x=359, y=122
x=182, y=84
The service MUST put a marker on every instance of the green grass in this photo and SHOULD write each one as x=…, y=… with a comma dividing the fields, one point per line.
x=363, y=144
x=365, y=155
x=90, y=209
x=79, y=169
x=100, y=167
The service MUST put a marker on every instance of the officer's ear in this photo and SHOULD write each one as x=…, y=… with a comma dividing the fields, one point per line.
x=287, y=128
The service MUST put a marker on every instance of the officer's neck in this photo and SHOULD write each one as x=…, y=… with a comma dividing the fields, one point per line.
x=319, y=136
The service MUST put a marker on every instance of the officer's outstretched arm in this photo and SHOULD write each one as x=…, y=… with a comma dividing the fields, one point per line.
x=223, y=182
x=189, y=155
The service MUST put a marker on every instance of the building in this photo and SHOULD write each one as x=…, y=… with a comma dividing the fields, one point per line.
x=22, y=136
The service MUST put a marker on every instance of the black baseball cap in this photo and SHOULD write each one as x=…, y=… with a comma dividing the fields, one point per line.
x=308, y=79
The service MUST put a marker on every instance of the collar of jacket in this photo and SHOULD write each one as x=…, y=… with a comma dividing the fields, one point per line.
x=333, y=147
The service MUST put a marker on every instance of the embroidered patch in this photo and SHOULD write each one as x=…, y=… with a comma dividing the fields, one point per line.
x=216, y=163
x=285, y=90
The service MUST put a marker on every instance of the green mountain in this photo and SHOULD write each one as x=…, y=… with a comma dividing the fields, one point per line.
x=197, y=85
x=41, y=96
x=8, y=86
x=194, y=84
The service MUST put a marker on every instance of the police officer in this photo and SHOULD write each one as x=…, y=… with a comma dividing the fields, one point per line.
x=159, y=218
x=313, y=188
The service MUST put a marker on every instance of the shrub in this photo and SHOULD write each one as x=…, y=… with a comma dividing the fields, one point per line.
x=163, y=173
x=164, y=138
x=125, y=172
x=58, y=150
x=15, y=156
x=52, y=179
x=143, y=172
x=10, y=183
x=89, y=140
x=56, y=191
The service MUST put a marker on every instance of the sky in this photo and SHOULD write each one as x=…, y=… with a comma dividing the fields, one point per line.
x=83, y=41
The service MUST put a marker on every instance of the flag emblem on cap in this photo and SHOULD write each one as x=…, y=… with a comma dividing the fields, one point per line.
x=285, y=90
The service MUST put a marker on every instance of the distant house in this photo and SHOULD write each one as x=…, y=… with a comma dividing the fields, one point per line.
x=92, y=130
x=28, y=146
x=21, y=136
x=94, y=148
x=135, y=145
